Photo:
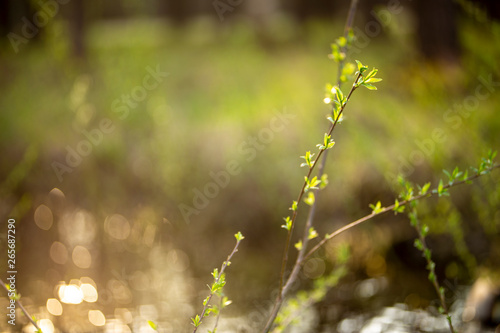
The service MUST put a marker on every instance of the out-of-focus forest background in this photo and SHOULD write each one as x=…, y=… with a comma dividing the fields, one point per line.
x=117, y=118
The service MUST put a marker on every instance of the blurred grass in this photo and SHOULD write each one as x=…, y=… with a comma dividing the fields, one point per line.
x=223, y=86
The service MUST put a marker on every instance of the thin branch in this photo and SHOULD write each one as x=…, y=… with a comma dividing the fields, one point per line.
x=368, y=217
x=390, y=208
x=283, y=289
x=312, y=210
x=431, y=267
x=302, y=191
x=22, y=308
x=223, y=268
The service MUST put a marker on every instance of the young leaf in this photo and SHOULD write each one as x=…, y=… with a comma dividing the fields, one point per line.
x=441, y=190
x=308, y=159
x=425, y=230
x=311, y=184
x=298, y=245
x=372, y=80
x=418, y=244
x=361, y=68
x=339, y=94
x=423, y=190
x=398, y=208
x=369, y=86
x=376, y=208
x=310, y=199
x=153, y=325
x=196, y=321
x=324, y=181
x=225, y=302
x=312, y=233
x=239, y=237
x=288, y=223
x=215, y=273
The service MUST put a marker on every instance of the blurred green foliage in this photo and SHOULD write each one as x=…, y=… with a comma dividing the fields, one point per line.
x=224, y=86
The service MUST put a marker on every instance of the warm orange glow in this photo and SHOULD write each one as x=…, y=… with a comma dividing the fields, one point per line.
x=117, y=226
x=97, y=318
x=54, y=307
x=70, y=294
x=43, y=217
x=58, y=253
x=81, y=257
x=89, y=293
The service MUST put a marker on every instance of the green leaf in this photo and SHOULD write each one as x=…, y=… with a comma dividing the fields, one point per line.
x=413, y=218
x=418, y=244
x=398, y=208
x=423, y=190
x=371, y=74
x=310, y=199
x=337, y=54
x=351, y=37
x=308, y=159
x=324, y=181
x=369, y=86
x=226, y=302
x=209, y=311
x=492, y=154
x=338, y=94
x=361, y=68
x=298, y=245
x=239, y=237
x=348, y=69
x=427, y=255
x=431, y=266
x=425, y=230
x=312, y=233
x=288, y=223
x=153, y=325
x=311, y=183
x=215, y=273
x=376, y=208
x=372, y=80
x=341, y=41
x=196, y=321
x=441, y=190
x=327, y=142
x=294, y=206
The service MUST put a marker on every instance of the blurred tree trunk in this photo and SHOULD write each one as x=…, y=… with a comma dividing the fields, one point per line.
x=5, y=24
x=492, y=7
x=11, y=13
x=77, y=22
x=304, y=9
x=437, y=29
x=176, y=10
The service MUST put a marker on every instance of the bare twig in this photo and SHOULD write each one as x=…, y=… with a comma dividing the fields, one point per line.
x=18, y=302
x=387, y=209
x=366, y=218
x=283, y=288
x=217, y=279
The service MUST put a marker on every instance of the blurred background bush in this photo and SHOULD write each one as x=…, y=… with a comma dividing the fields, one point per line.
x=103, y=243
